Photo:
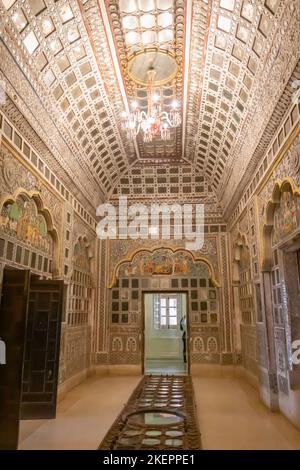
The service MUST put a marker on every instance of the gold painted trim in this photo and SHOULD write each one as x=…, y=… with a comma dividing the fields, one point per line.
x=31, y=168
x=41, y=207
x=149, y=250
x=268, y=224
x=266, y=177
x=278, y=159
x=146, y=51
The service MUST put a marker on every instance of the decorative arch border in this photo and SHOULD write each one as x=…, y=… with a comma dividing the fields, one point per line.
x=279, y=187
x=46, y=213
x=87, y=245
x=196, y=259
x=240, y=241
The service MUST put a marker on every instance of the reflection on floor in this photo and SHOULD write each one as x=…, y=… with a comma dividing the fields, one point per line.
x=230, y=415
x=165, y=366
x=160, y=414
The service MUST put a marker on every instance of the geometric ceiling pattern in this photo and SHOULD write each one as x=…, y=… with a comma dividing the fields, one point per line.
x=67, y=66
x=53, y=48
x=167, y=183
x=238, y=36
x=148, y=25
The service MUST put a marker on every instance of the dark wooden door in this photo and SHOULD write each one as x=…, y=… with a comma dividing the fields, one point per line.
x=12, y=332
x=42, y=345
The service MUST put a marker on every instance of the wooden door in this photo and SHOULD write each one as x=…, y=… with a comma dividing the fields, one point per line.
x=42, y=345
x=12, y=332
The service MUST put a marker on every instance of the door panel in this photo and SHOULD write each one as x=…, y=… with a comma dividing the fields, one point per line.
x=12, y=331
x=40, y=374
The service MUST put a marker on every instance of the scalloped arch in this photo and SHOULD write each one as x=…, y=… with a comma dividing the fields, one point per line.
x=45, y=212
x=287, y=184
x=131, y=257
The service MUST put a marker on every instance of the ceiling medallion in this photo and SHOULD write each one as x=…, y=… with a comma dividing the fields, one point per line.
x=150, y=70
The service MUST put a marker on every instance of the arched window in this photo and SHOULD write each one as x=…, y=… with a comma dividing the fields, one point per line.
x=198, y=344
x=131, y=345
x=212, y=345
x=117, y=345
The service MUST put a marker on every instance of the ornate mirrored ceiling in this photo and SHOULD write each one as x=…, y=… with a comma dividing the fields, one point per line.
x=79, y=62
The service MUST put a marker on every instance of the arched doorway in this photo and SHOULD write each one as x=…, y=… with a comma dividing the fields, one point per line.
x=160, y=271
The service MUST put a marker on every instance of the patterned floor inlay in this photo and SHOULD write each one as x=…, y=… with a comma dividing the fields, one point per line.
x=160, y=414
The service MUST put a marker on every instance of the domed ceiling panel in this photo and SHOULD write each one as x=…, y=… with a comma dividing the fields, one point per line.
x=151, y=34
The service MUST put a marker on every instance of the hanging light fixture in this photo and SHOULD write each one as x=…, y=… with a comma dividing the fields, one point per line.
x=153, y=122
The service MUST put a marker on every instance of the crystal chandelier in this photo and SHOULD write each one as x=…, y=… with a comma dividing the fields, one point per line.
x=153, y=122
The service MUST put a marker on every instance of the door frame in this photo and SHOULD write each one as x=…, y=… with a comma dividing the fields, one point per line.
x=142, y=337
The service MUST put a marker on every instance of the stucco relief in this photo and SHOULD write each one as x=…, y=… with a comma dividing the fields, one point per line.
x=14, y=176
x=121, y=250
x=288, y=167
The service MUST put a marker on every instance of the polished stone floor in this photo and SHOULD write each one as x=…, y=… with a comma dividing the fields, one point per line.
x=230, y=414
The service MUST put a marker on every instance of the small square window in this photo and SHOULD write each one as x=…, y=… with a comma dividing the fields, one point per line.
x=115, y=294
x=115, y=318
x=203, y=317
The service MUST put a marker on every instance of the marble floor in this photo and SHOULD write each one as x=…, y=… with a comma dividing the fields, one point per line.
x=230, y=414
x=165, y=366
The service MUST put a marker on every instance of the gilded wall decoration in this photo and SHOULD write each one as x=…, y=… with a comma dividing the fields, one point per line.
x=81, y=256
x=122, y=249
x=13, y=175
x=20, y=219
x=287, y=168
x=286, y=217
x=164, y=261
x=161, y=262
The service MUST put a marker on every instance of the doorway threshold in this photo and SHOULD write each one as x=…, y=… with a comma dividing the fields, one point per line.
x=165, y=366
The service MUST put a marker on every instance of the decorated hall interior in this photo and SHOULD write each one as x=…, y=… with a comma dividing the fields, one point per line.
x=150, y=225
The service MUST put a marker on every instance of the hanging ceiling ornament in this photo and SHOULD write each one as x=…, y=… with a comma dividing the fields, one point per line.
x=151, y=70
